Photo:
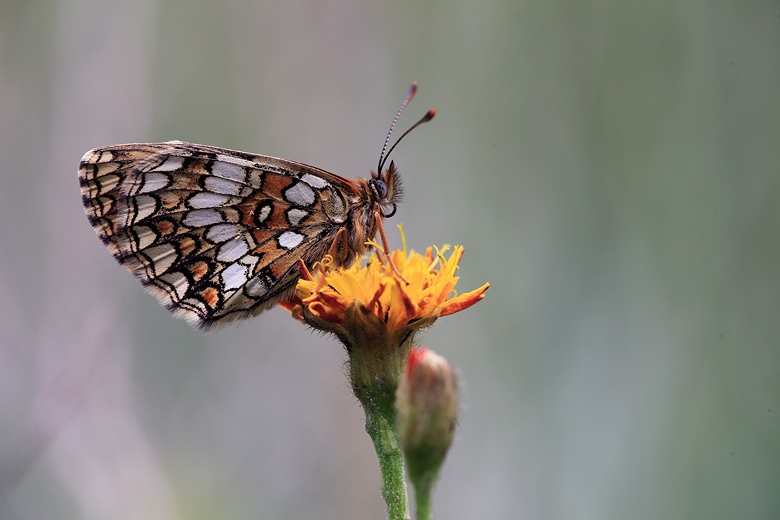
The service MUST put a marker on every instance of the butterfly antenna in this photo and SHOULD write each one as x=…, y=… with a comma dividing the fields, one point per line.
x=427, y=117
x=409, y=97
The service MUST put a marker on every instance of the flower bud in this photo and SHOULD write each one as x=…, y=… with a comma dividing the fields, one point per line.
x=427, y=406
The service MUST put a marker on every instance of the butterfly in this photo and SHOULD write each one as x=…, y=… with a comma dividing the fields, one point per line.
x=218, y=235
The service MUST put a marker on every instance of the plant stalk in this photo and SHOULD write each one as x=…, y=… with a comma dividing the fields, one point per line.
x=380, y=425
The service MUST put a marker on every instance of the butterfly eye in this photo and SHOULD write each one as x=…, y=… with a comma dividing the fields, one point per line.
x=379, y=187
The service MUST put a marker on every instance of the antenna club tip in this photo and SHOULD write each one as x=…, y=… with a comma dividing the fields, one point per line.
x=430, y=114
x=412, y=90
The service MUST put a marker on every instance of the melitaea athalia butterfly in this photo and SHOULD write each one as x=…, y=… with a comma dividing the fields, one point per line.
x=218, y=235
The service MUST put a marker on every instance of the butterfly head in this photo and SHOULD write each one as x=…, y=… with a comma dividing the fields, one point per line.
x=386, y=190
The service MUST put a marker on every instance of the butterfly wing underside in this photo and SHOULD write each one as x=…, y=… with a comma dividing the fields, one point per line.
x=214, y=234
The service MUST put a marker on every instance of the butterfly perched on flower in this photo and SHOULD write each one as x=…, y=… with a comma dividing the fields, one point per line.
x=218, y=235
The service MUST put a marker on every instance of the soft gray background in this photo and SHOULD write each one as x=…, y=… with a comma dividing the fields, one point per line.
x=611, y=167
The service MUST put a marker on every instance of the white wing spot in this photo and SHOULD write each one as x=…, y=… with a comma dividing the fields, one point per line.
x=232, y=250
x=228, y=171
x=202, y=217
x=146, y=205
x=221, y=233
x=290, y=239
x=234, y=276
x=154, y=181
x=205, y=199
x=295, y=215
x=250, y=261
x=300, y=193
x=264, y=212
x=170, y=164
x=220, y=185
x=314, y=181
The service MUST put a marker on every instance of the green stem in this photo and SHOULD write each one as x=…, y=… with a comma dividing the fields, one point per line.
x=422, y=499
x=380, y=425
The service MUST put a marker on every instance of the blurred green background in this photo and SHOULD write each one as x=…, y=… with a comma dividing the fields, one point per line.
x=611, y=167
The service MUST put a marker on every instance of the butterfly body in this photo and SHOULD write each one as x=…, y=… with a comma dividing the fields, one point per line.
x=217, y=234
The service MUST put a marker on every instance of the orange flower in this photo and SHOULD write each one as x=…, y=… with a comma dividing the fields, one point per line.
x=429, y=294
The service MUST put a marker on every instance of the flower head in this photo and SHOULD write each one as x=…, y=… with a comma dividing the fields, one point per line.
x=327, y=300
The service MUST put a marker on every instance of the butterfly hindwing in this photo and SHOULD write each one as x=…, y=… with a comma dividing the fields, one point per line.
x=214, y=234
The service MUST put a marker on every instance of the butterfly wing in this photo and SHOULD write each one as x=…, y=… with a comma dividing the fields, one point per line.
x=214, y=234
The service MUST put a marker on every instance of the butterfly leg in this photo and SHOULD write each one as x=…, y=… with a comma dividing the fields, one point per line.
x=303, y=271
x=339, y=248
x=378, y=219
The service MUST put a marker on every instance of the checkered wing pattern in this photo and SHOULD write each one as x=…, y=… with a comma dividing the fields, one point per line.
x=214, y=234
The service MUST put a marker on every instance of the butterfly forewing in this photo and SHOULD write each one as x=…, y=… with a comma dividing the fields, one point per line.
x=214, y=234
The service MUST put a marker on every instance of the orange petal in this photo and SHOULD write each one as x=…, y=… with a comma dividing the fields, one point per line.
x=326, y=313
x=409, y=306
x=464, y=301
x=333, y=301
